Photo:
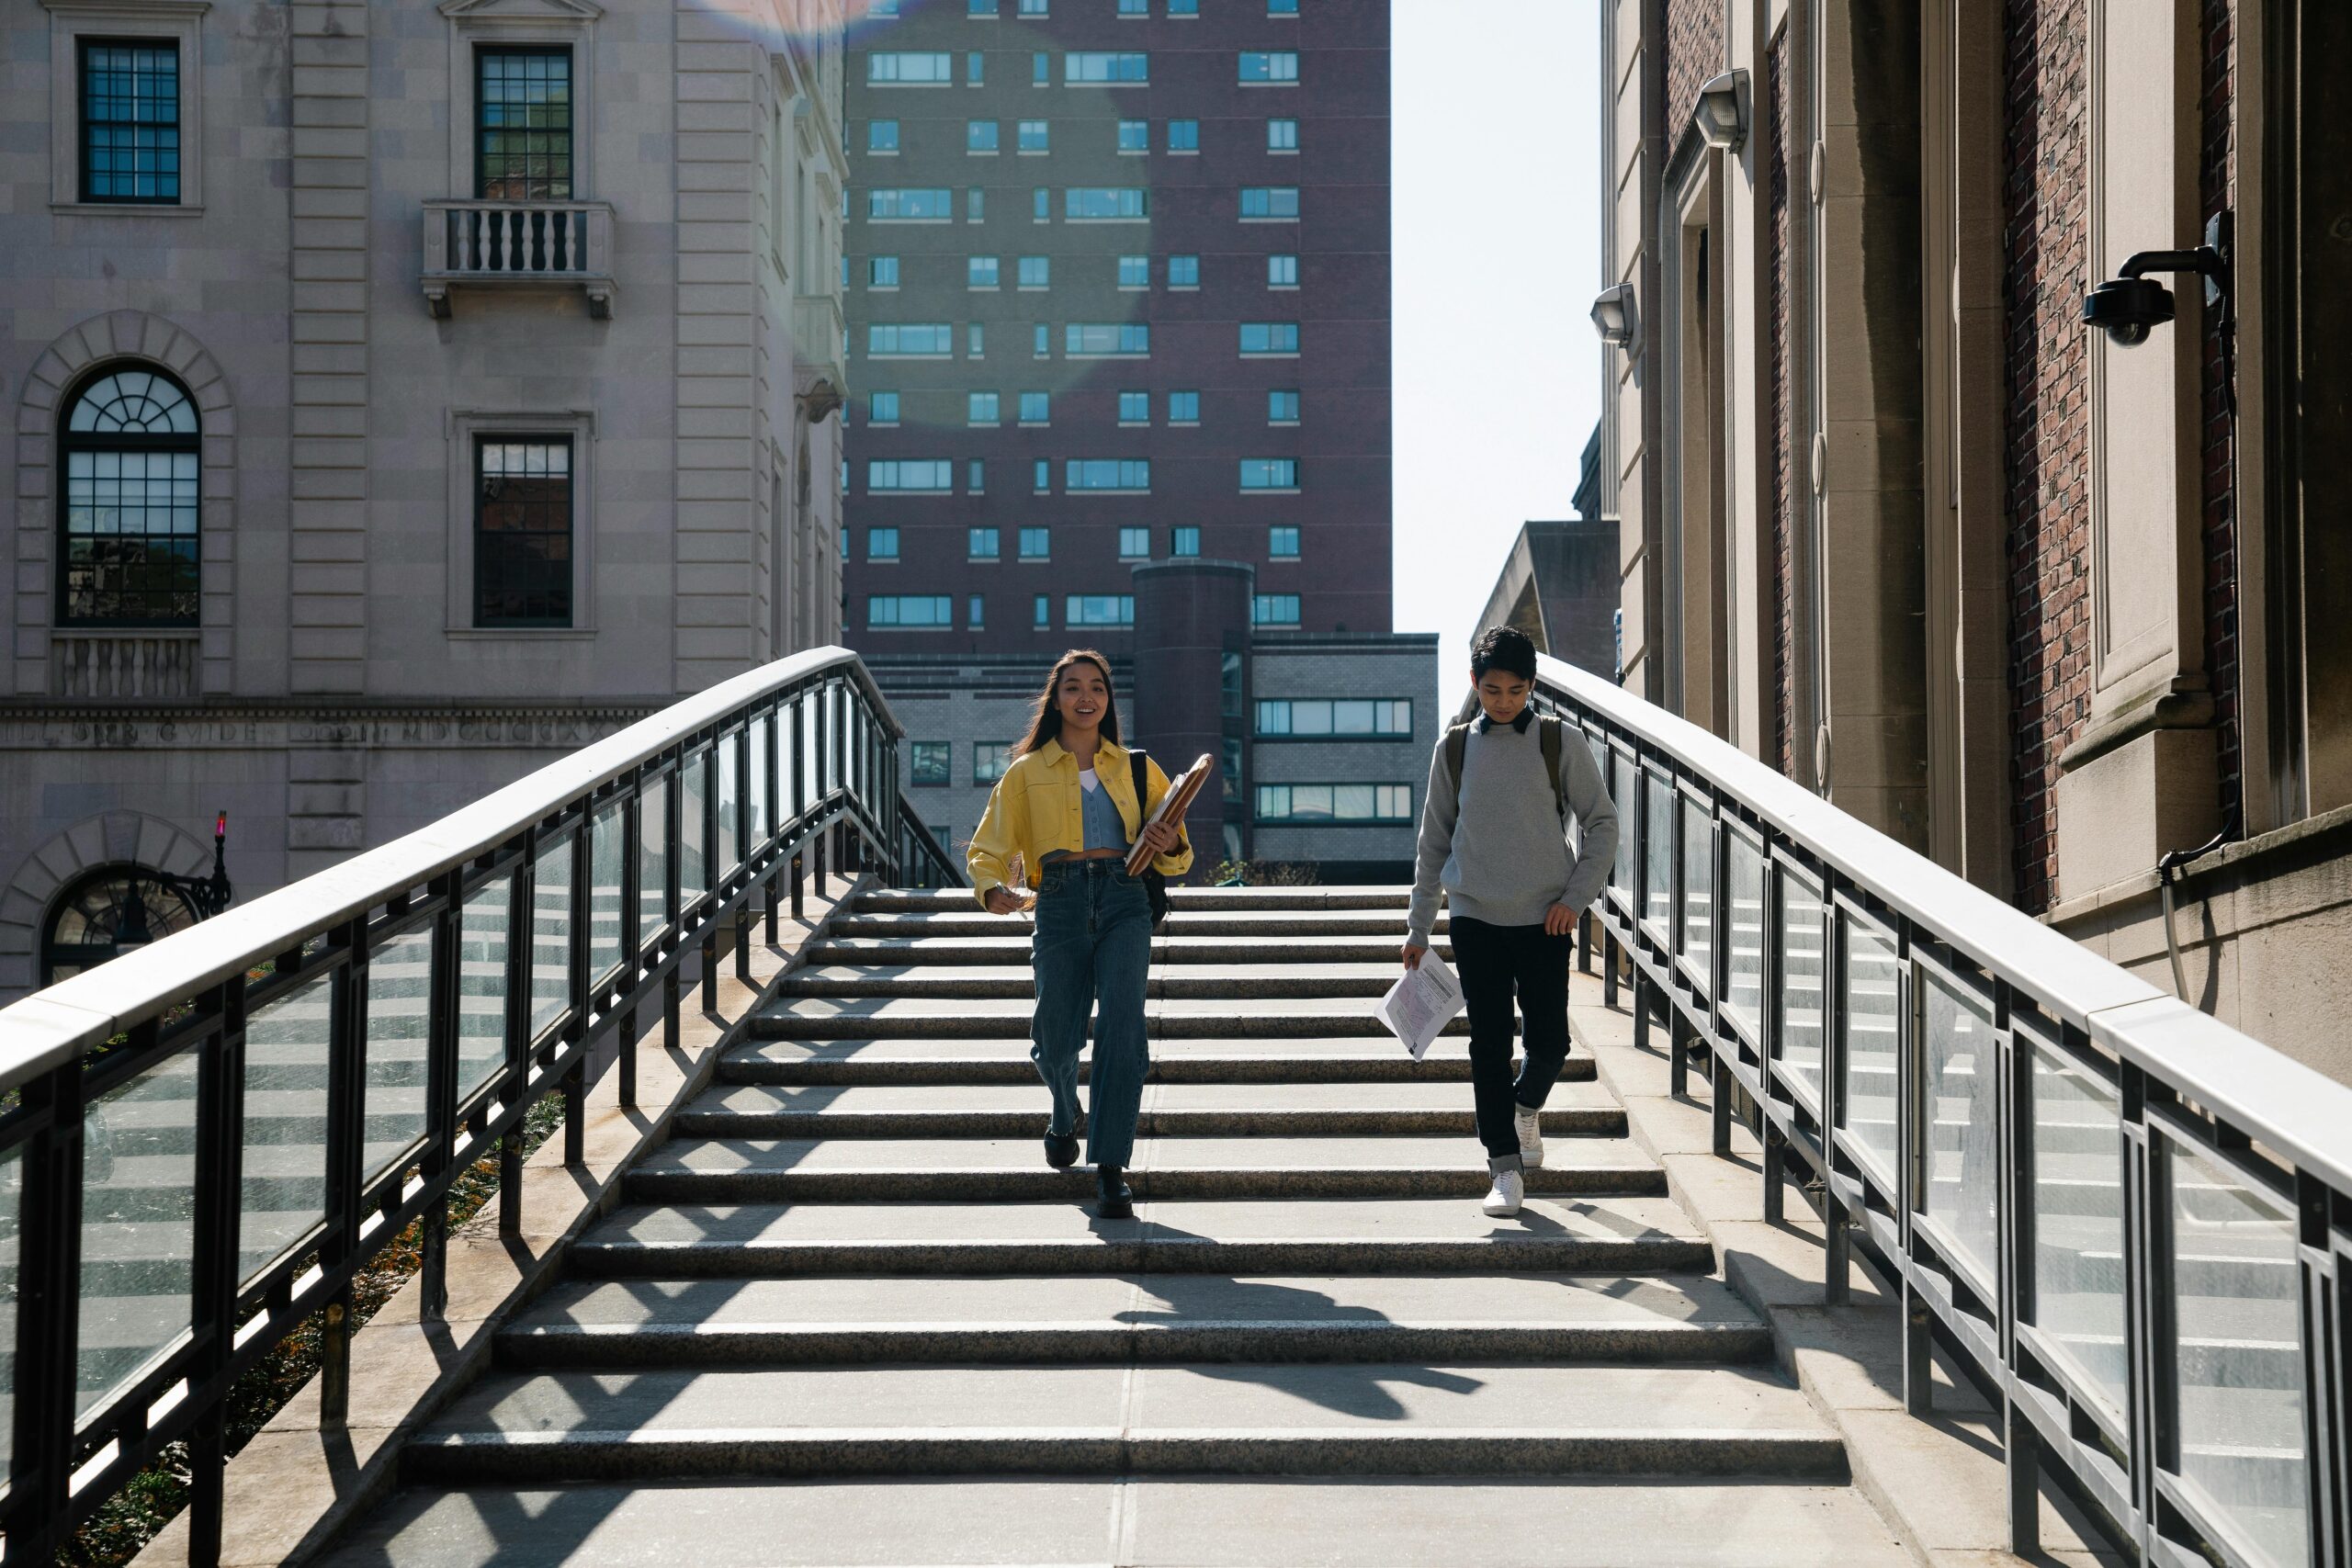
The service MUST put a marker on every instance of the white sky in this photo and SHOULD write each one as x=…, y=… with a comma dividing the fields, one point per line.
x=1495, y=142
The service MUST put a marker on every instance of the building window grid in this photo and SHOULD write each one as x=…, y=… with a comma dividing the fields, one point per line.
x=1281, y=407
x=1268, y=67
x=1036, y=544
x=1270, y=204
x=1098, y=609
x=1185, y=541
x=990, y=760
x=1323, y=718
x=896, y=204
x=982, y=544
x=130, y=122
x=1282, y=135
x=882, y=137
x=1183, y=408
x=980, y=137
x=1132, y=475
x=1135, y=407
x=902, y=475
x=1036, y=407
x=908, y=68
x=523, y=123
x=882, y=408
x=1314, y=803
x=1274, y=610
x=132, y=547
x=909, y=611
x=881, y=544
x=1033, y=136
x=1282, y=272
x=1183, y=136
x=1135, y=272
x=981, y=271
x=523, y=531
x=1036, y=273
x=929, y=765
x=1135, y=137
x=1270, y=473
x=1281, y=542
x=982, y=407
x=1183, y=272
x=1135, y=544
x=882, y=271
x=1270, y=337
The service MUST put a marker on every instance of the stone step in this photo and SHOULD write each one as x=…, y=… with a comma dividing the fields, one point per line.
x=1152, y=1522
x=954, y=900
x=1178, y=950
x=937, y=1019
x=970, y=920
x=1322, y=1419
x=1017, y=1111
x=1145, y=1318
x=1376, y=1059
x=974, y=982
x=780, y=1170
x=1359, y=1236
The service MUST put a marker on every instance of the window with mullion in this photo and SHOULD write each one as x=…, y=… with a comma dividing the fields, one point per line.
x=131, y=543
x=523, y=123
x=130, y=120
x=523, y=531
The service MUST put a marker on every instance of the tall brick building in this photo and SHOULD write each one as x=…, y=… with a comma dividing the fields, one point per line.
x=1117, y=284
x=1897, y=521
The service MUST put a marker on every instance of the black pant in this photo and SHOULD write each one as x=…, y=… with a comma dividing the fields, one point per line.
x=1495, y=961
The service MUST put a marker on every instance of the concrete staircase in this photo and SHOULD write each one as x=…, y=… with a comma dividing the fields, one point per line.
x=847, y=1313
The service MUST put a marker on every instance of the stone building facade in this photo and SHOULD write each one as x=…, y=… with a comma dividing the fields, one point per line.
x=2026, y=597
x=404, y=395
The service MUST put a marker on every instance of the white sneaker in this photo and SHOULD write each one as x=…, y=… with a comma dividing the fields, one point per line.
x=1511, y=1188
x=1531, y=1136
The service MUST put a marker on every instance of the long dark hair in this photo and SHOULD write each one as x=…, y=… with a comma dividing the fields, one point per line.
x=1045, y=717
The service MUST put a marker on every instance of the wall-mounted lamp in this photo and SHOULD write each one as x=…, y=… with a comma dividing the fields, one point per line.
x=1721, y=113
x=1613, y=316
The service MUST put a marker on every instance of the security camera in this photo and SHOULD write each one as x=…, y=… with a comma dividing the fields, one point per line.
x=2130, y=306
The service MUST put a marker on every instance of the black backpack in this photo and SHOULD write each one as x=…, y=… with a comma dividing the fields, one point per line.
x=1155, y=886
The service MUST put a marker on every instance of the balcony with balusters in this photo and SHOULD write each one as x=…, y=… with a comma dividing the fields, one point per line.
x=519, y=244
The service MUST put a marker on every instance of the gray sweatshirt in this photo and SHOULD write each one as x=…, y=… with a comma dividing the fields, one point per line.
x=1500, y=852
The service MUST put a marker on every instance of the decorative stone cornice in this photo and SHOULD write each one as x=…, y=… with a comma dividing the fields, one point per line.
x=269, y=726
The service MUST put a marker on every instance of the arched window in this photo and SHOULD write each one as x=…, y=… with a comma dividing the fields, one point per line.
x=130, y=554
x=113, y=909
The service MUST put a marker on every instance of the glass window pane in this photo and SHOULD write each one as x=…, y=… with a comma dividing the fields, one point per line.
x=2237, y=1353
x=653, y=857
x=138, y=1224
x=730, y=808
x=693, y=873
x=481, y=984
x=399, y=994
x=1698, y=946
x=807, y=708
x=1869, y=1029
x=1658, y=850
x=1621, y=792
x=1744, y=932
x=12, y=1196
x=604, y=872
x=1803, y=935
x=284, y=1190
x=1962, y=1131
x=758, y=787
x=2078, y=1221
x=550, y=936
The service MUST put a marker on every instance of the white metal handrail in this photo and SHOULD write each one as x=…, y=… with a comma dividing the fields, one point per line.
x=2128, y=1222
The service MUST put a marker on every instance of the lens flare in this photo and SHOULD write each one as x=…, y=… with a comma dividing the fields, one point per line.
x=774, y=22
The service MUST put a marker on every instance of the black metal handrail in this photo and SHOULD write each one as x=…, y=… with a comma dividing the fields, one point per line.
x=202, y=1143
x=2127, y=1224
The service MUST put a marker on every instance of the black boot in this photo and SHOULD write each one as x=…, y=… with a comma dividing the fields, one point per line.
x=1061, y=1149
x=1113, y=1201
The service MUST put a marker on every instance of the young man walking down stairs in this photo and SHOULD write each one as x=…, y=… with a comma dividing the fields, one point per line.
x=1502, y=791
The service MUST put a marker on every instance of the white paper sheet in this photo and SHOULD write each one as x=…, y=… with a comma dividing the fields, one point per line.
x=1420, y=1004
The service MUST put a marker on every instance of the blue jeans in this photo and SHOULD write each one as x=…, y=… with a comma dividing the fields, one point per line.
x=1092, y=946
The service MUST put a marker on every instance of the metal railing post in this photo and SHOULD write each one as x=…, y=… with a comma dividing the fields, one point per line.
x=219, y=1152
x=334, y=1360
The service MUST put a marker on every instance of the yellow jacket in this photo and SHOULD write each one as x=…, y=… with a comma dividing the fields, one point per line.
x=1036, y=809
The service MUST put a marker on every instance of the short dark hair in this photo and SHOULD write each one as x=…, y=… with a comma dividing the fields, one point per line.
x=1506, y=649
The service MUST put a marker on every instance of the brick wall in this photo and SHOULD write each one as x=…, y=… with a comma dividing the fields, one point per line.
x=1694, y=55
x=2218, y=190
x=2046, y=240
x=1777, y=120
